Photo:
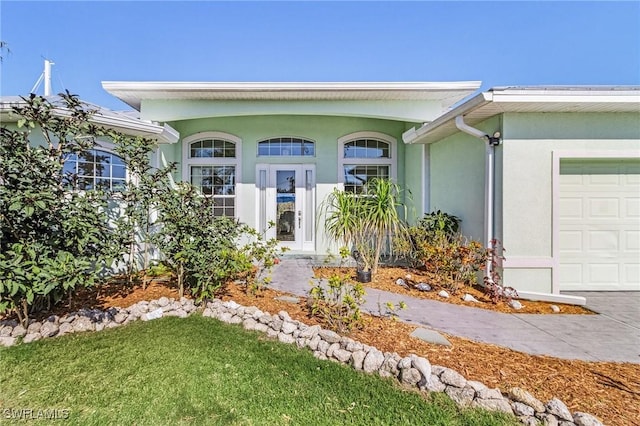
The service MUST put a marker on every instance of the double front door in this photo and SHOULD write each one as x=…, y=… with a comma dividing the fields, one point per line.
x=288, y=202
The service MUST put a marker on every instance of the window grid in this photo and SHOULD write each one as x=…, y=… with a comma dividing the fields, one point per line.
x=356, y=176
x=286, y=147
x=94, y=169
x=367, y=148
x=212, y=148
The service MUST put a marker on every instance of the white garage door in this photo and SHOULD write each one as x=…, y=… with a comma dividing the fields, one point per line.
x=599, y=224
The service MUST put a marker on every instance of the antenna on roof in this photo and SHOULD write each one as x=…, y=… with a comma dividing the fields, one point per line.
x=46, y=76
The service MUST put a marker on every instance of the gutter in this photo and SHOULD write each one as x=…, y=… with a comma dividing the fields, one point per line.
x=489, y=184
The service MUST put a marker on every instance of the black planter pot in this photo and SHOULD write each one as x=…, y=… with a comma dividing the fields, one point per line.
x=363, y=276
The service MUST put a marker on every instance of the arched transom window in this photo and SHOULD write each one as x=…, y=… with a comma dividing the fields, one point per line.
x=364, y=156
x=211, y=165
x=95, y=169
x=286, y=147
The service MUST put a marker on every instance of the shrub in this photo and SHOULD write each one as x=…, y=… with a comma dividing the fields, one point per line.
x=51, y=240
x=455, y=260
x=338, y=303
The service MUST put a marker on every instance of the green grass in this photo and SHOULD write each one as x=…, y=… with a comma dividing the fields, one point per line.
x=200, y=371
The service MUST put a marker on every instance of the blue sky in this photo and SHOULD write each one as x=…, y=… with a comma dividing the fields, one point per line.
x=499, y=43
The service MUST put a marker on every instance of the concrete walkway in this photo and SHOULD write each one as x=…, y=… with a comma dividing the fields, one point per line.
x=613, y=335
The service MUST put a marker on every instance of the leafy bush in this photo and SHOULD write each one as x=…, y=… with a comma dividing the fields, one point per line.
x=338, y=304
x=455, y=260
x=51, y=240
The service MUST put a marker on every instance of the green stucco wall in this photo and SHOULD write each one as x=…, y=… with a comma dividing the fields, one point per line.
x=527, y=194
x=457, y=169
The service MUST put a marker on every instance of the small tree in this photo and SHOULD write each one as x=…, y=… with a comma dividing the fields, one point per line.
x=51, y=239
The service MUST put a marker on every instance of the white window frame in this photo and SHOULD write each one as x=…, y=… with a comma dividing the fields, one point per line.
x=269, y=139
x=187, y=161
x=109, y=148
x=391, y=161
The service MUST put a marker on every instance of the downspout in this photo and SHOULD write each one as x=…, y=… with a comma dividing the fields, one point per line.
x=489, y=179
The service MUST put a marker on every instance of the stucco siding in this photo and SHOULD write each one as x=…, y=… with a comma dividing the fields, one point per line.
x=530, y=141
x=457, y=181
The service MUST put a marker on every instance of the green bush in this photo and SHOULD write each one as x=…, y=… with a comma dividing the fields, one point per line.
x=338, y=303
x=51, y=240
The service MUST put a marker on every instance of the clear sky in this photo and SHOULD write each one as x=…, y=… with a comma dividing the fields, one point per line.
x=499, y=43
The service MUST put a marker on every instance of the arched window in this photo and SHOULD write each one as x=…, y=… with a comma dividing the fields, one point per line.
x=211, y=164
x=95, y=169
x=286, y=147
x=364, y=156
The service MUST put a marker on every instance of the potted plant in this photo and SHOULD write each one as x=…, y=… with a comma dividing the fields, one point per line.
x=364, y=260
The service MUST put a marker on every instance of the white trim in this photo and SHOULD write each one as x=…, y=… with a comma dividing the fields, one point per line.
x=187, y=162
x=391, y=161
x=542, y=262
x=557, y=156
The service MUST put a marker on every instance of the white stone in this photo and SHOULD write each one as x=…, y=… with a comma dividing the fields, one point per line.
x=373, y=361
x=515, y=304
x=585, y=419
x=555, y=308
x=18, y=331
x=288, y=327
x=155, y=314
x=469, y=298
x=31, y=337
x=453, y=378
x=559, y=409
x=520, y=395
x=357, y=359
x=286, y=338
x=520, y=409
x=423, y=287
x=342, y=355
x=424, y=367
x=329, y=336
x=443, y=294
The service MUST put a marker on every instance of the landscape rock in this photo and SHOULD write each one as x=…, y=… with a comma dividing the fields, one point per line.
x=410, y=376
x=34, y=327
x=236, y=319
x=249, y=324
x=423, y=287
x=332, y=348
x=462, y=396
x=469, y=298
x=49, y=329
x=372, y=361
x=402, y=283
x=6, y=331
x=520, y=409
x=443, y=294
x=288, y=327
x=329, y=336
x=520, y=395
x=65, y=328
x=515, y=304
x=31, y=337
x=548, y=419
x=453, y=378
x=18, y=331
x=559, y=409
x=424, y=367
x=310, y=332
x=529, y=420
x=487, y=393
x=84, y=324
x=7, y=341
x=435, y=385
x=555, y=308
x=357, y=359
x=286, y=338
x=585, y=419
x=342, y=355
x=155, y=314
x=501, y=405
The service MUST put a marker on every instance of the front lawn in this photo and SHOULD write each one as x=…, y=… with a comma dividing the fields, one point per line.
x=200, y=371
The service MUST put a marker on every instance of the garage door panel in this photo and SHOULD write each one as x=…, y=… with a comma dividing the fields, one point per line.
x=599, y=236
x=604, y=208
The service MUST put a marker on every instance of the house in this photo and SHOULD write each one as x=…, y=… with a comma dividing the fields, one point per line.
x=551, y=172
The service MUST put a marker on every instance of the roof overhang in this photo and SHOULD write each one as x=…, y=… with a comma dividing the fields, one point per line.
x=120, y=121
x=447, y=93
x=581, y=99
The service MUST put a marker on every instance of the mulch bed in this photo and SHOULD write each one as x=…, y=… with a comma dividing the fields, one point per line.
x=386, y=277
x=608, y=390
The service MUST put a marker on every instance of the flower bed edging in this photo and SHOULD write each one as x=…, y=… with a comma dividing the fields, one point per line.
x=412, y=370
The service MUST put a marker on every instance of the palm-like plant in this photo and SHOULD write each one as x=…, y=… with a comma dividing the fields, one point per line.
x=381, y=218
x=367, y=221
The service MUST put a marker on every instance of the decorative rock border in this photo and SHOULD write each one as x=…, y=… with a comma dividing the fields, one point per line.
x=412, y=370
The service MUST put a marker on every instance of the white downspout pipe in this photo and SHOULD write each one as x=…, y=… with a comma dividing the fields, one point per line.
x=489, y=177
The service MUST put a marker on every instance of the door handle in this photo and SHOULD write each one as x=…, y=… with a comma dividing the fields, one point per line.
x=299, y=219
